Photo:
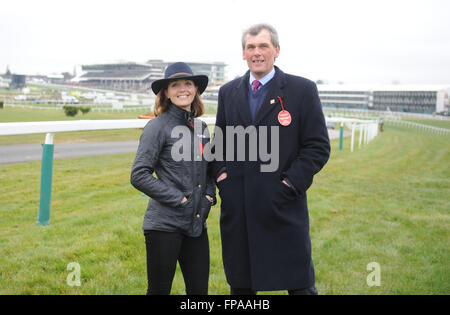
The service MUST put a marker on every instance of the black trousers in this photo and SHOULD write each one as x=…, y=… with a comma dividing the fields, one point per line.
x=164, y=249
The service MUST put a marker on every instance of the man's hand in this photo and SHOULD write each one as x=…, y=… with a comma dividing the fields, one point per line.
x=209, y=198
x=222, y=177
x=183, y=200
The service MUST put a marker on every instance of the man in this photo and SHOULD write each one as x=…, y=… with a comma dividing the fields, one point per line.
x=264, y=216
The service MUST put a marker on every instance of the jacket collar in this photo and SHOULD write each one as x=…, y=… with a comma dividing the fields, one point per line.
x=179, y=113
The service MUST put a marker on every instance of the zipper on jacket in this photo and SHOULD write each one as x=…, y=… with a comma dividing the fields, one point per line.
x=199, y=141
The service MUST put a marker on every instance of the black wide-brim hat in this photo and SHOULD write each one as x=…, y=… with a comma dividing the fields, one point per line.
x=179, y=71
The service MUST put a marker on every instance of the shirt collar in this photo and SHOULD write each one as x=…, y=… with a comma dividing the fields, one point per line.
x=264, y=79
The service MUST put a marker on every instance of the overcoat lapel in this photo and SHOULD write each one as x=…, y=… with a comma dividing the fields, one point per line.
x=275, y=90
x=240, y=99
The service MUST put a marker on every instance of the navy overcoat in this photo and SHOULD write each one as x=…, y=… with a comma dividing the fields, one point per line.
x=264, y=223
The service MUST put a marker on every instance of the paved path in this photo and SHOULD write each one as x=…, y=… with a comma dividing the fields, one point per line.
x=17, y=153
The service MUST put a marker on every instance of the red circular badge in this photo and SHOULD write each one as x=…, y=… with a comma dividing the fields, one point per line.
x=284, y=118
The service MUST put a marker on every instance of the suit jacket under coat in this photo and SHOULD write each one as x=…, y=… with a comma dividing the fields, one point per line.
x=265, y=224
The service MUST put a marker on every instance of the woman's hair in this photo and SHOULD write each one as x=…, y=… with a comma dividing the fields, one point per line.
x=162, y=104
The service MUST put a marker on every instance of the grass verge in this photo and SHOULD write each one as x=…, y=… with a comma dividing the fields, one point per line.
x=384, y=203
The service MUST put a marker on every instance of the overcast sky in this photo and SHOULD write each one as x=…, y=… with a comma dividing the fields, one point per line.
x=350, y=41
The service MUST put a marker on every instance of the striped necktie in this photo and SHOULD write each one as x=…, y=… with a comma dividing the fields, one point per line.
x=255, y=85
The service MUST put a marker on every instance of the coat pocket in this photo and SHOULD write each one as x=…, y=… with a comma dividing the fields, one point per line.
x=286, y=194
x=186, y=208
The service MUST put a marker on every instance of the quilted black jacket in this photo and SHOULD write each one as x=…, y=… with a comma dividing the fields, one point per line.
x=159, y=150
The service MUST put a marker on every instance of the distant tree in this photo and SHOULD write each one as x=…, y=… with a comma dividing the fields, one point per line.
x=85, y=110
x=70, y=111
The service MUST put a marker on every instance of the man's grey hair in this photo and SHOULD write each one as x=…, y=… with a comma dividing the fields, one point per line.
x=256, y=29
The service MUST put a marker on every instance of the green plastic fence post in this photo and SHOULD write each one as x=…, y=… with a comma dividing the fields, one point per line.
x=46, y=181
x=341, y=137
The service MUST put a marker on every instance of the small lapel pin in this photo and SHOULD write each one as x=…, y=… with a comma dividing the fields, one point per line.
x=272, y=101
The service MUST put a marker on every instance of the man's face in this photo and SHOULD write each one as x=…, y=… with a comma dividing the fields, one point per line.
x=260, y=53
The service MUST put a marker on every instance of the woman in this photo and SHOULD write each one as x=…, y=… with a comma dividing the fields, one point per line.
x=182, y=192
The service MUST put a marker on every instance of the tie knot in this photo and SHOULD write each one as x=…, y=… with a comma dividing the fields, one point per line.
x=255, y=85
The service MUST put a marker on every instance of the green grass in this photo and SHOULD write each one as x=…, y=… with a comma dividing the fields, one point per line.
x=386, y=202
x=10, y=114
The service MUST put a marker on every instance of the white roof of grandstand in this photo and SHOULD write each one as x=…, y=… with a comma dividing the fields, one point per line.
x=391, y=87
x=215, y=63
x=118, y=63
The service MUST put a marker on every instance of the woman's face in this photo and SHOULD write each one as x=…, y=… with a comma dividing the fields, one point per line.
x=181, y=93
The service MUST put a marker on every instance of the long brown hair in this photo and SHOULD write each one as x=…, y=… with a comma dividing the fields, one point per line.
x=162, y=104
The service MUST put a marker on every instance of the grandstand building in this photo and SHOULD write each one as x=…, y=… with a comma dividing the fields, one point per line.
x=215, y=71
x=119, y=76
x=130, y=76
x=402, y=98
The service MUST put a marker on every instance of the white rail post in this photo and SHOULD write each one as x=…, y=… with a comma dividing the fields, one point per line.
x=353, y=137
x=361, y=131
x=366, y=133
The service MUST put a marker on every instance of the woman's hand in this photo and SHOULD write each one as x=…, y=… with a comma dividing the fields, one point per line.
x=209, y=198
